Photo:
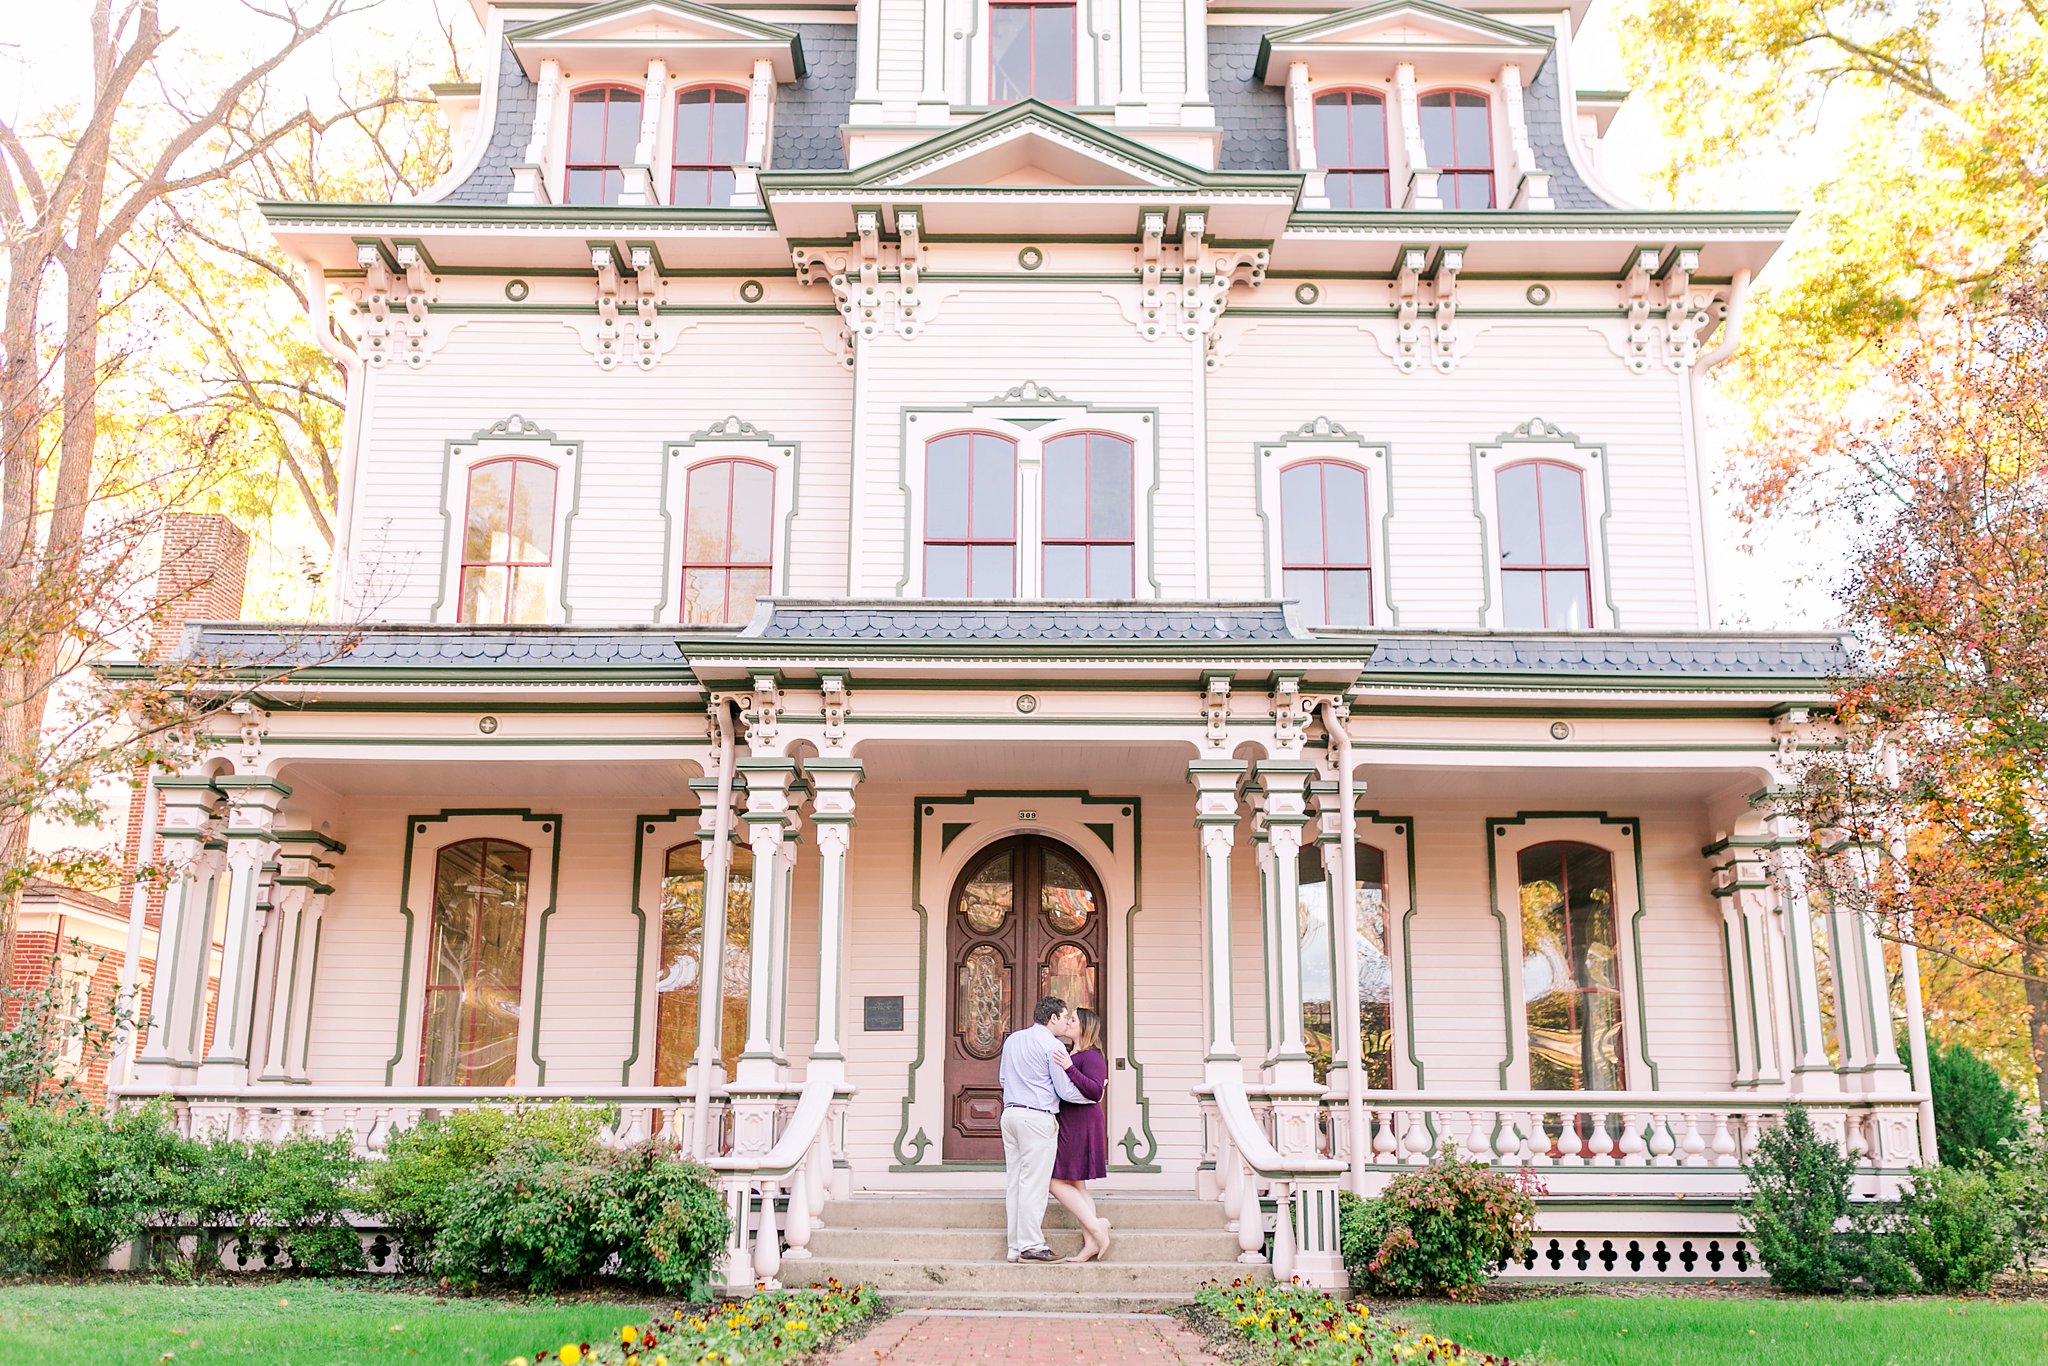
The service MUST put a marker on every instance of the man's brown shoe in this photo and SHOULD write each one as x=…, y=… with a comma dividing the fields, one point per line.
x=1038, y=1254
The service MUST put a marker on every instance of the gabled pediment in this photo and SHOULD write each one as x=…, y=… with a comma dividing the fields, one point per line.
x=634, y=30
x=1422, y=31
x=1030, y=145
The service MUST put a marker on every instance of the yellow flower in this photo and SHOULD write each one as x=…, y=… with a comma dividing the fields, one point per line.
x=517, y=1361
x=629, y=1334
x=571, y=1354
x=797, y=1325
x=633, y=1360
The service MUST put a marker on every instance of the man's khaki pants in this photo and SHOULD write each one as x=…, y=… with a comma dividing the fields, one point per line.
x=1030, y=1138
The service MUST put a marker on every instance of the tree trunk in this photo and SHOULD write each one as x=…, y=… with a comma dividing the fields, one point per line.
x=2034, y=960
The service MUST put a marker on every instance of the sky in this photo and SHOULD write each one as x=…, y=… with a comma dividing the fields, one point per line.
x=40, y=61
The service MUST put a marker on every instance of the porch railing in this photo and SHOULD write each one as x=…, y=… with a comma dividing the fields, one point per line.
x=1252, y=1170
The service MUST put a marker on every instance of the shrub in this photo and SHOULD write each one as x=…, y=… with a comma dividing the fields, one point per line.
x=288, y=1199
x=1810, y=1237
x=2023, y=1188
x=80, y=1183
x=1977, y=1117
x=1954, y=1228
x=416, y=1185
x=1441, y=1229
x=537, y=1221
x=45, y=1044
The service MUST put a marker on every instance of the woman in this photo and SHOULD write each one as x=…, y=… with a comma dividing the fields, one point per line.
x=1083, y=1153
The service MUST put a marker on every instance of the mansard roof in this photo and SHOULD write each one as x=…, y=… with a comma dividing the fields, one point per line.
x=635, y=30
x=1443, y=37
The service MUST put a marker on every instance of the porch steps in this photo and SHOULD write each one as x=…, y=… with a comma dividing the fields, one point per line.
x=946, y=1252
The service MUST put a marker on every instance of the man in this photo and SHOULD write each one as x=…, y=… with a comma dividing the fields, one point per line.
x=1034, y=1078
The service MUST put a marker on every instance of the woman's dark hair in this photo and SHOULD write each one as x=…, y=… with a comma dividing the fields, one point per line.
x=1090, y=1033
x=1043, y=1012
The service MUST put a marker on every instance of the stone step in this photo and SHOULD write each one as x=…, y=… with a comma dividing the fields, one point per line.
x=1044, y=1281
x=1213, y=1245
x=1088, y=1302
x=922, y=1211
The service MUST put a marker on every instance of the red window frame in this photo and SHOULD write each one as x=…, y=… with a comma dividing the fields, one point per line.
x=1086, y=542
x=468, y=985
x=611, y=89
x=971, y=542
x=1350, y=165
x=1462, y=169
x=728, y=564
x=679, y=167
x=1547, y=566
x=1324, y=565
x=518, y=462
x=1074, y=47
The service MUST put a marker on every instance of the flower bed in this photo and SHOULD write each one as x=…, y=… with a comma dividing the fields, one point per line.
x=1295, y=1325
x=774, y=1326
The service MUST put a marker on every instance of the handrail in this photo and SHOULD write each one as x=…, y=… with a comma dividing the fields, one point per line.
x=1265, y=1160
x=806, y=1122
x=1622, y=1100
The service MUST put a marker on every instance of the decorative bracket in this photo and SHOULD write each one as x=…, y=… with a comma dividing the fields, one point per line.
x=410, y=289
x=606, y=264
x=1636, y=299
x=646, y=306
x=833, y=691
x=762, y=717
x=1216, y=712
x=1290, y=717
x=1442, y=280
x=1204, y=284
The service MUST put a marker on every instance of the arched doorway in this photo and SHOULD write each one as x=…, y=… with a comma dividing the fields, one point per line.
x=1024, y=921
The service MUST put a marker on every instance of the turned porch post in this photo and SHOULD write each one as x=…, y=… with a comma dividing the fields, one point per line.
x=305, y=878
x=1216, y=783
x=1811, y=1070
x=768, y=779
x=832, y=781
x=1282, y=814
x=184, y=950
x=253, y=804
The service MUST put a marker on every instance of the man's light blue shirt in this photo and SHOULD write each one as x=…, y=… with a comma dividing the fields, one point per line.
x=1031, y=1074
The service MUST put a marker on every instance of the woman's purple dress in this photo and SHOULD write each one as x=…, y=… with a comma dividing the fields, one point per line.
x=1084, y=1129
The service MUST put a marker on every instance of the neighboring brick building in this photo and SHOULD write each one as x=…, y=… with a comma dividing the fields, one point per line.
x=83, y=940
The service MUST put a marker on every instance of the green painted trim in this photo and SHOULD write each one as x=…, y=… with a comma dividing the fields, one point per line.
x=717, y=18
x=1443, y=223
x=748, y=435
x=415, y=825
x=1632, y=828
x=1734, y=1008
x=912, y=1160
x=641, y=826
x=538, y=436
x=572, y=219
x=1309, y=434
x=1489, y=535
x=1129, y=1142
x=196, y=1034
x=1404, y=827
x=1325, y=24
x=312, y=989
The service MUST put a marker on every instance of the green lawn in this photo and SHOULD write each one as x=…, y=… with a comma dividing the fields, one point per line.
x=282, y=1323
x=1610, y=1331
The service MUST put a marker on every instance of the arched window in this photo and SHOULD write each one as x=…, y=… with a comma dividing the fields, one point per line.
x=682, y=957
x=1457, y=137
x=1031, y=51
x=728, y=540
x=474, y=959
x=711, y=139
x=1546, y=579
x=970, y=516
x=1318, y=949
x=1325, y=554
x=1090, y=533
x=1571, y=983
x=1351, y=143
x=604, y=127
x=508, y=541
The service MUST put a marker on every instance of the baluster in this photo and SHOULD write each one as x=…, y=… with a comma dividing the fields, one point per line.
x=1693, y=1146
x=1416, y=1141
x=1480, y=1140
x=819, y=1159
x=1663, y=1143
x=1602, y=1142
x=797, y=1220
x=1232, y=1172
x=1283, y=1232
x=767, y=1242
x=1571, y=1144
x=1251, y=1219
x=1724, y=1141
x=1859, y=1149
x=1538, y=1145
x=1384, y=1144
x=1633, y=1145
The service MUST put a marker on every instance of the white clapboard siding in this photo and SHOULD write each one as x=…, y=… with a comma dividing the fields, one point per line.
x=1454, y=948
x=535, y=367
x=881, y=960
x=899, y=49
x=1281, y=373
x=1075, y=342
x=1162, y=52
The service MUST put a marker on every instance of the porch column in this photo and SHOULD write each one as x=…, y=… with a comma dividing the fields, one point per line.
x=253, y=805
x=1757, y=910
x=1216, y=783
x=177, y=994
x=303, y=883
x=1811, y=1071
x=833, y=781
x=1862, y=994
x=768, y=779
x=1284, y=812
x=785, y=909
x=710, y=1050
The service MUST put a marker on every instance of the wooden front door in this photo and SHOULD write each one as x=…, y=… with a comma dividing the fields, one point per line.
x=1024, y=922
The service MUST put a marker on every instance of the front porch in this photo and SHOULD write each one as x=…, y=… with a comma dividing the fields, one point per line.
x=829, y=824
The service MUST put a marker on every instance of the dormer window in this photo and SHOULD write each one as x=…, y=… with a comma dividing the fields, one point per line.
x=604, y=125
x=1032, y=48
x=711, y=138
x=1458, y=140
x=1351, y=143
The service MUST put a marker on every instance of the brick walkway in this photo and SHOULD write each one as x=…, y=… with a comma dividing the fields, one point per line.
x=926, y=1338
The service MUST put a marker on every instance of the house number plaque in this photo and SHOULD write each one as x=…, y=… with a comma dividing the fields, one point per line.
x=881, y=1014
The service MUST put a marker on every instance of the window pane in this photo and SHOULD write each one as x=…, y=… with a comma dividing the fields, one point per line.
x=621, y=128
x=490, y=496
x=1350, y=597
x=533, y=513
x=1065, y=569
x=994, y=570
x=1521, y=539
x=1333, y=130
x=945, y=571
x=1474, y=137
x=995, y=489
x=501, y=919
x=1301, y=515
x=1110, y=572
x=753, y=513
x=1305, y=586
x=679, y=971
x=458, y=875
x=705, y=516
x=739, y=942
x=1566, y=600
x=1564, y=515
x=1109, y=488
x=1374, y=968
x=1313, y=943
x=1065, y=487
x=585, y=187
x=483, y=594
x=1438, y=140
x=704, y=596
x=693, y=127
x=586, y=126
x=1344, y=513
x=1368, y=132
x=1009, y=37
x=1467, y=190
x=749, y=586
x=945, y=513
x=1521, y=599
x=729, y=128
x=1053, y=74
x=719, y=195
x=529, y=595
